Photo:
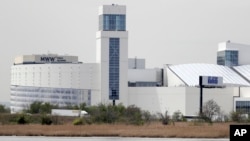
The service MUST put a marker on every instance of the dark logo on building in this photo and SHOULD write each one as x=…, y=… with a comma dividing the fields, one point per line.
x=48, y=59
x=52, y=59
x=212, y=80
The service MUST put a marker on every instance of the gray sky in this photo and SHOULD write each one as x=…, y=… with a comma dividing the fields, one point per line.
x=162, y=31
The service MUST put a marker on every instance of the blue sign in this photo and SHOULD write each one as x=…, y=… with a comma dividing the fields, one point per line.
x=212, y=80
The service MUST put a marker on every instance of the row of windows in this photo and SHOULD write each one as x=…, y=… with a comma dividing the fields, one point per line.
x=45, y=90
x=243, y=106
x=26, y=95
x=143, y=84
x=228, y=58
x=112, y=22
x=114, y=68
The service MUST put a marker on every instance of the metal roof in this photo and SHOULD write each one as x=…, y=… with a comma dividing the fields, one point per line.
x=189, y=74
x=244, y=71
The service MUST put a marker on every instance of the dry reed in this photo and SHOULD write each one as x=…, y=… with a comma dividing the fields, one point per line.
x=179, y=130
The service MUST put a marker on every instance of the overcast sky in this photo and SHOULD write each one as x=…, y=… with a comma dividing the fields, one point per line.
x=161, y=31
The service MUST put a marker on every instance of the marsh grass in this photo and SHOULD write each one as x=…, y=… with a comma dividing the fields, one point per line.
x=156, y=129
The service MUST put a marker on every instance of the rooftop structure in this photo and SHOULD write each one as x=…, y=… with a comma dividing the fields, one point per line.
x=233, y=54
x=189, y=74
x=45, y=58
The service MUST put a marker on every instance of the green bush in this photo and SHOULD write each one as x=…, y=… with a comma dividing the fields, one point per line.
x=79, y=121
x=133, y=115
x=38, y=107
x=3, y=109
x=46, y=120
x=238, y=117
x=177, y=116
x=118, y=113
x=22, y=119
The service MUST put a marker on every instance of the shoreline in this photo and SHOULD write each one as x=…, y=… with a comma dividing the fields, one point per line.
x=153, y=130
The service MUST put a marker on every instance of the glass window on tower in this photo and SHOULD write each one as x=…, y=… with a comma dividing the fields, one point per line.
x=228, y=58
x=114, y=68
x=112, y=22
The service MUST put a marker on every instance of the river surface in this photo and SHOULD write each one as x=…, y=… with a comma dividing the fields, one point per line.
x=41, y=138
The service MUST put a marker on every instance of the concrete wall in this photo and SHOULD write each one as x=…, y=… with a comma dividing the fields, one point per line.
x=223, y=97
x=144, y=75
x=112, y=9
x=184, y=99
x=158, y=99
x=244, y=91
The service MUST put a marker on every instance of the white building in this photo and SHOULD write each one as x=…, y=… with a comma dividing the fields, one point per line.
x=114, y=78
x=59, y=80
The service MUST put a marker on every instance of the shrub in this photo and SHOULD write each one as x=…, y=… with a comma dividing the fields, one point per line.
x=22, y=119
x=177, y=116
x=165, y=119
x=78, y=121
x=46, y=120
x=133, y=115
x=238, y=117
x=3, y=109
x=38, y=107
x=146, y=116
x=35, y=107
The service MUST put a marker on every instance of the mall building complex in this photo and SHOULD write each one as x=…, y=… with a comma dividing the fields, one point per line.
x=114, y=78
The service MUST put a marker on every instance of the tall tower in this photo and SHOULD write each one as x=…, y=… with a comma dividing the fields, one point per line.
x=112, y=53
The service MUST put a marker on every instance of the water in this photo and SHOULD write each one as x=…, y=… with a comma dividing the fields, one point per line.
x=41, y=138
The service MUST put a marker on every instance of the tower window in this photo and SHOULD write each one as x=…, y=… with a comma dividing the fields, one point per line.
x=112, y=22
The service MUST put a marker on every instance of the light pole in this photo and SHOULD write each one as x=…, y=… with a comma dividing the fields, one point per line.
x=201, y=93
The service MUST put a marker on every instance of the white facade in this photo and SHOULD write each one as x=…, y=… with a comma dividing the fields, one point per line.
x=184, y=99
x=145, y=77
x=103, y=46
x=77, y=76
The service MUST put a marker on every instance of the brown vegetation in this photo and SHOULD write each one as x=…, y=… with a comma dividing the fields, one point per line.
x=179, y=130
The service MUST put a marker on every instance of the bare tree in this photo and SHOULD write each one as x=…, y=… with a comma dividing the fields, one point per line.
x=210, y=110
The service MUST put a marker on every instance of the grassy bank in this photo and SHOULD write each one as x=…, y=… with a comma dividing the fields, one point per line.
x=179, y=130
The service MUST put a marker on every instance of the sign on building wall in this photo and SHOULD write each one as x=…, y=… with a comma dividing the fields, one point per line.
x=212, y=81
x=52, y=59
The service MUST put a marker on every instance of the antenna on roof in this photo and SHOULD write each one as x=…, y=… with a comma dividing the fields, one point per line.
x=135, y=62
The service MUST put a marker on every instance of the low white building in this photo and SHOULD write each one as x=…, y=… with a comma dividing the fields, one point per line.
x=61, y=83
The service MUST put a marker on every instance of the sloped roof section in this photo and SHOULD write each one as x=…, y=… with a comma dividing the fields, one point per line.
x=189, y=73
x=244, y=71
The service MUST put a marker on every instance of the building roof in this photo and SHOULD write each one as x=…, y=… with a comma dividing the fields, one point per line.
x=244, y=71
x=189, y=74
